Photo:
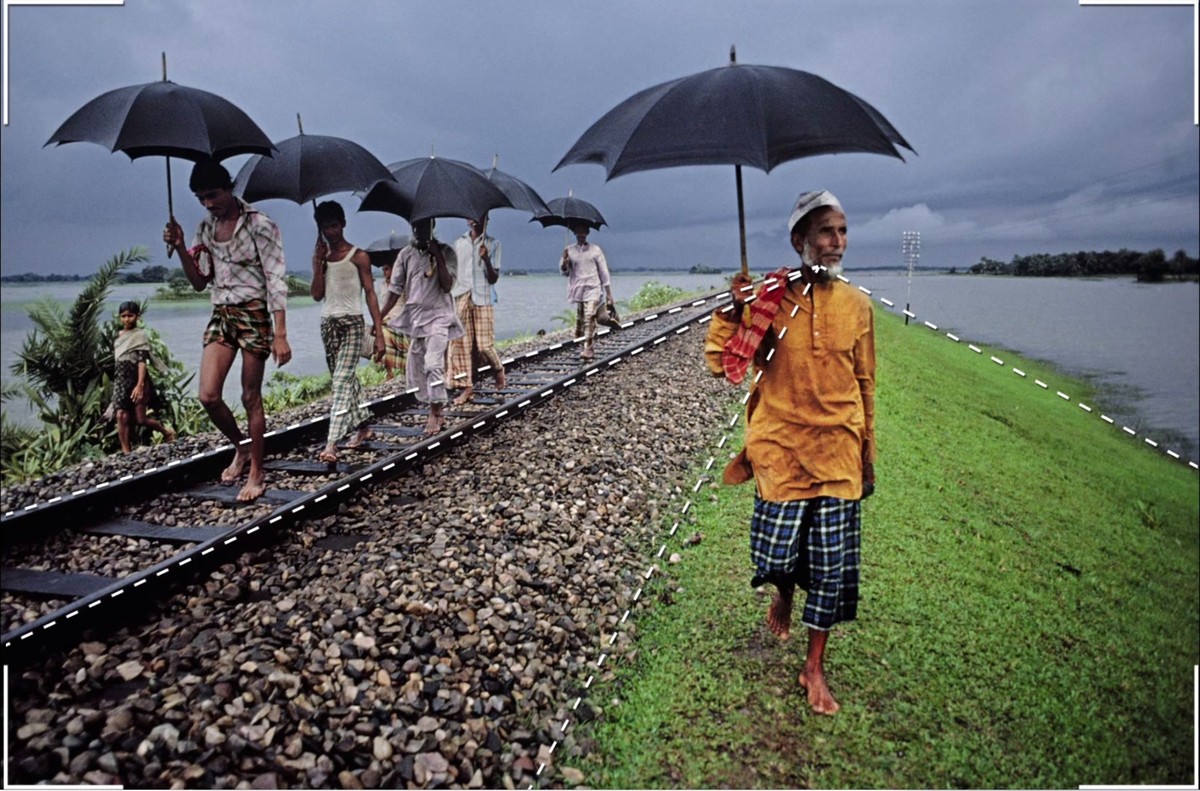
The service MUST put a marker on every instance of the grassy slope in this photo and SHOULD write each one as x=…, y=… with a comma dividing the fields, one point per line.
x=1029, y=616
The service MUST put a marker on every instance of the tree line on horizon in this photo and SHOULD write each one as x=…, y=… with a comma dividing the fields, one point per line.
x=1148, y=267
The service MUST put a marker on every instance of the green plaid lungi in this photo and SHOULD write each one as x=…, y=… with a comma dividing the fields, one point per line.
x=343, y=336
x=815, y=544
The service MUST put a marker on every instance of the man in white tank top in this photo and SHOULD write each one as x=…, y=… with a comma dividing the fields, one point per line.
x=341, y=276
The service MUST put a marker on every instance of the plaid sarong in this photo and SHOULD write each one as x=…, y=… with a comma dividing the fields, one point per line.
x=815, y=544
x=395, y=353
x=343, y=336
x=246, y=326
x=740, y=349
x=479, y=338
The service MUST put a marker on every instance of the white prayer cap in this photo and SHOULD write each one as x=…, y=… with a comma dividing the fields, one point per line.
x=809, y=201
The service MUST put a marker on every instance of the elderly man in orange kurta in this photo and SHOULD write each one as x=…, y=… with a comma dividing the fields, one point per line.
x=810, y=428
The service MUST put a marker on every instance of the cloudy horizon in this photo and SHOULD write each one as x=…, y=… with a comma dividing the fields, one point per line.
x=1040, y=127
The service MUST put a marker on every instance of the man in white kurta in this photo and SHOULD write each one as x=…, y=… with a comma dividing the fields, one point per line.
x=424, y=275
x=585, y=264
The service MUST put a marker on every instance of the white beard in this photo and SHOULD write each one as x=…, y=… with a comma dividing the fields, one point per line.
x=822, y=274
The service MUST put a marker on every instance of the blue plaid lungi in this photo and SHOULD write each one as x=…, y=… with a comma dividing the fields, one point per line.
x=814, y=544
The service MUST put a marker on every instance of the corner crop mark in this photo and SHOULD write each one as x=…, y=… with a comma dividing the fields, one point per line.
x=1195, y=4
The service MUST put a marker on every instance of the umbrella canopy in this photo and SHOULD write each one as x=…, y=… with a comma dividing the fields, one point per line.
x=384, y=250
x=308, y=167
x=164, y=119
x=433, y=187
x=520, y=195
x=568, y=211
x=735, y=115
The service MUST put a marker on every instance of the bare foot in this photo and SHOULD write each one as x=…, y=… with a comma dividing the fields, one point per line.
x=234, y=470
x=501, y=382
x=820, y=699
x=779, y=616
x=437, y=419
x=465, y=396
x=329, y=455
x=169, y=434
x=362, y=436
x=252, y=490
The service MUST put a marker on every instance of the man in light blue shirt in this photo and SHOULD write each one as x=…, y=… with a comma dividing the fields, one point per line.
x=478, y=269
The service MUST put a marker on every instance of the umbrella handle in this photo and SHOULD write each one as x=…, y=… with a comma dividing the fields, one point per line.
x=737, y=169
x=170, y=200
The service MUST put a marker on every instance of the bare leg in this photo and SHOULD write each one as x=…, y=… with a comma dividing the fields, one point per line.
x=142, y=420
x=465, y=395
x=779, y=614
x=501, y=382
x=812, y=677
x=123, y=430
x=214, y=367
x=252, y=376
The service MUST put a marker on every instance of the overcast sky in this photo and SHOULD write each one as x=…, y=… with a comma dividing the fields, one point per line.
x=1040, y=125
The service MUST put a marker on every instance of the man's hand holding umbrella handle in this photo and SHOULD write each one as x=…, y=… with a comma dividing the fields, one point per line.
x=320, y=249
x=739, y=291
x=173, y=235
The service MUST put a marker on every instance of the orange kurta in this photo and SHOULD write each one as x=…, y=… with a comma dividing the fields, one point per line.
x=810, y=420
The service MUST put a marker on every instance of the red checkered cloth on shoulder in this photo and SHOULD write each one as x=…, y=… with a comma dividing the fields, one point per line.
x=740, y=349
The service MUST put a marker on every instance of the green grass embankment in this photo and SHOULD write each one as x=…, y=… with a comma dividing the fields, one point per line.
x=1029, y=613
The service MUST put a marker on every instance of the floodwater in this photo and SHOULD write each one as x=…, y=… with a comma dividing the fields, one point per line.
x=1140, y=340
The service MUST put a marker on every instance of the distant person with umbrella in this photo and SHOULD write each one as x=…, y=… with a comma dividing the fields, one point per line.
x=238, y=252
x=341, y=274
x=589, y=286
x=424, y=274
x=810, y=428
x=478, y=257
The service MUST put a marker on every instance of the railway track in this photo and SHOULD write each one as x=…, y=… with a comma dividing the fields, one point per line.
x=135, y=555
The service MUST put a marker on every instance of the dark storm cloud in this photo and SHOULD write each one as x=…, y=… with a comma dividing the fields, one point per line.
x=1040, y=126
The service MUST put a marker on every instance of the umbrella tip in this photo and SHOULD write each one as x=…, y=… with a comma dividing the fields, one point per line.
x=732, y=53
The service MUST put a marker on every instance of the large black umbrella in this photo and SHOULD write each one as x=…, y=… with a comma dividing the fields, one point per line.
x=433, y=187
x=734, y=115
x=308, y=167
x=164, y=119
x=568, y=211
